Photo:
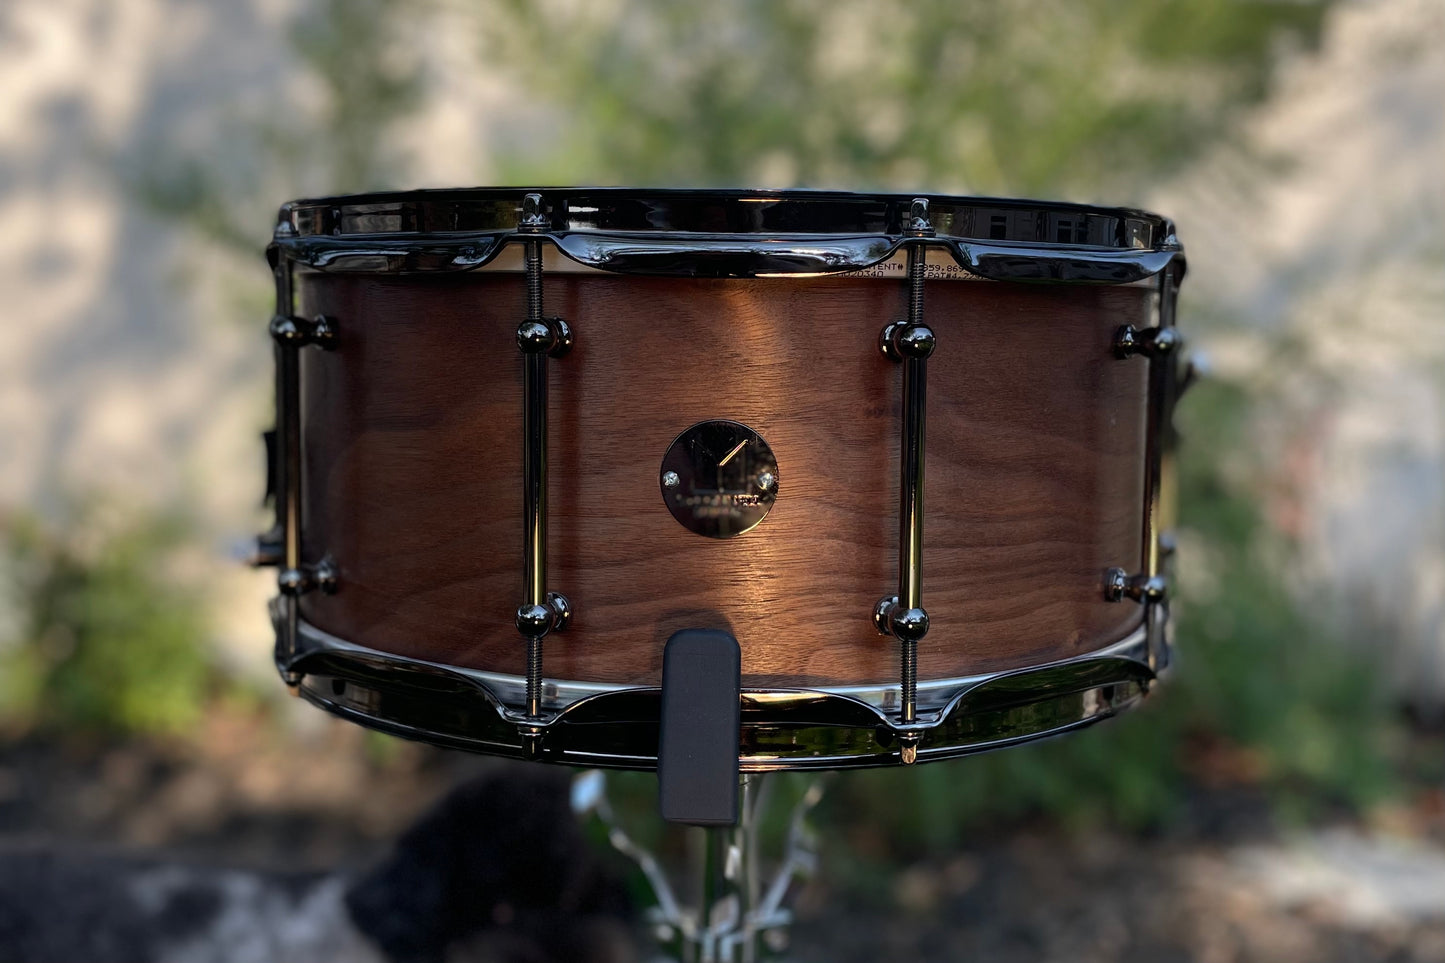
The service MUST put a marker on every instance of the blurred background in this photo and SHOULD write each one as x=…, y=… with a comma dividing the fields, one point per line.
x=1282, y=798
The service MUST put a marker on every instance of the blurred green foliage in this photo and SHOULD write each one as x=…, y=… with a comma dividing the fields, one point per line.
x=1076, y=98
x=1259, y=668
x=369, y=82
x=366, y=82
x=106, y=635
x=1084, y=99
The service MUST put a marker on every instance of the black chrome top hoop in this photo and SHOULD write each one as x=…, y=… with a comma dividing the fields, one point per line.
x=725, y=233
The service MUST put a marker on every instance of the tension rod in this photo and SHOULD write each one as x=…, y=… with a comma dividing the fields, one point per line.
x=538, y=338
x=294, y=578
x=1161, y=346
x=910, y=342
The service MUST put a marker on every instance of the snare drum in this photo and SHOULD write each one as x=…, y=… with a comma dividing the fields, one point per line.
x=524, y=437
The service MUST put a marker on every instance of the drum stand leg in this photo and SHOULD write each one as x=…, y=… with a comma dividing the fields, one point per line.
x=737, y=919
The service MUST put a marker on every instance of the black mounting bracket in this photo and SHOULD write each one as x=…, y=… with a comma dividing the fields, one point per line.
x=697, y=753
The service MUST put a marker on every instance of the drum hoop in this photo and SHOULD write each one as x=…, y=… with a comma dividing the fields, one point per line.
x=507, y=689
x=862, y=713
x=724, y=234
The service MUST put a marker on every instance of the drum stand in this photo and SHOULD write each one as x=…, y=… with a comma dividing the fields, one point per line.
x=738, y=919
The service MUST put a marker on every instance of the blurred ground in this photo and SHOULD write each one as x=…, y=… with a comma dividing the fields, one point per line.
x=333, y=798
x=1226, y=881
x=1326, y=895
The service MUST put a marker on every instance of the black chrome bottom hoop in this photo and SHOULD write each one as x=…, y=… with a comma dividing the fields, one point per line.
x=782, y=729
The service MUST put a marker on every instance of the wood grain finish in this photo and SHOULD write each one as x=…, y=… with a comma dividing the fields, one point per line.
x=1034, y=481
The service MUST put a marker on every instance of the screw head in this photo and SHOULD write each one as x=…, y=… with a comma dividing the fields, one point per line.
x=767, y=480
x=671, y=479
x=561, y=610
x=535, y=336
x=1126, y=341
x=323, y=331
x=1116, y=582
x=285, y=330
x=882, y=613
x=532, y=216
x=1165, y=340
x=534, y=621
x=1154, y=589
x=918, y=223
x=326, y=576
x=291, y=581
x=910, y=625
x=916, y=341
x=561, y=337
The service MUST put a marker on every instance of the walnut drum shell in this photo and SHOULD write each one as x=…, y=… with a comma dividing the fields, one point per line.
x=412, y=481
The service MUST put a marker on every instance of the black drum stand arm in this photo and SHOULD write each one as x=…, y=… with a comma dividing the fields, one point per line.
x=742, y=913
